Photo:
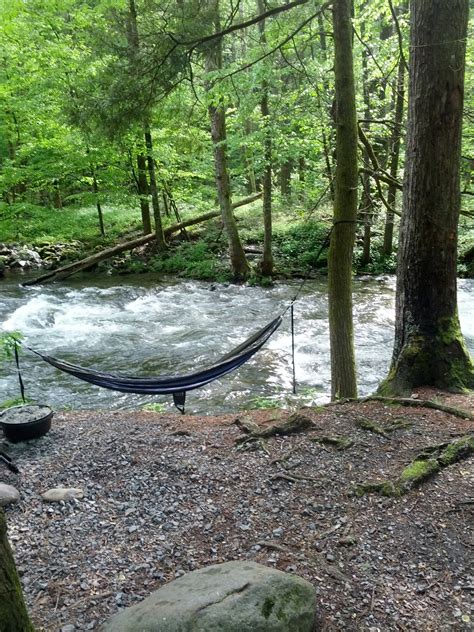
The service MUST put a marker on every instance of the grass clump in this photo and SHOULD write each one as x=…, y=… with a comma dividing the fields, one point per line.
x=195, y=260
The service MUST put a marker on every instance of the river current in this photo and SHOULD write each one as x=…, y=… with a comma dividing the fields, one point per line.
x=143, y=326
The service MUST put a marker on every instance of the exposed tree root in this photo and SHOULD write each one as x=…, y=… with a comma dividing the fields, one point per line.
x=338, y=442
x=408, y=401
x=371, y=426
x=295, y=423
x=426, y=464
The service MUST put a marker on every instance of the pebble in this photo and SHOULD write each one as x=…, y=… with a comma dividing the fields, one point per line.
x=8, y=495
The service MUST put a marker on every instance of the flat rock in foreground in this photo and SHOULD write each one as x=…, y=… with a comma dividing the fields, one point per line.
x=230, y=597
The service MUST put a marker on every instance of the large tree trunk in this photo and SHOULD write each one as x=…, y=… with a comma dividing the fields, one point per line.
x=160, y=238
x=239, y=264
x=343, y=374
x=429, y=348
x=395, y=142
x=267, y=260
x=13, y=613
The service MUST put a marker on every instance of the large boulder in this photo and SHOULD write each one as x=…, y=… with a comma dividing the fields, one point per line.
x=230, y=597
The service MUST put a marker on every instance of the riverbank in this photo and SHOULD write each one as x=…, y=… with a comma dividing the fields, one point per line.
x=165, y=494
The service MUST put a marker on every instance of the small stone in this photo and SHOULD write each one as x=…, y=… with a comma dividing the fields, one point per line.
x=330, y=557
x=8, y=494
x=278, y=532
x=57, y=494
x=68, y=628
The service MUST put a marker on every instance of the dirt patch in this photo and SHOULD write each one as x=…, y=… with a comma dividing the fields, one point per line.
x=165, y=495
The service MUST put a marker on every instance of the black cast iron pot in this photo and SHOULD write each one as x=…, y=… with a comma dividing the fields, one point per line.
x=30, y=421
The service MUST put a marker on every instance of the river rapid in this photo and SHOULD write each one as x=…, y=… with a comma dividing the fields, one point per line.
x=141, y=325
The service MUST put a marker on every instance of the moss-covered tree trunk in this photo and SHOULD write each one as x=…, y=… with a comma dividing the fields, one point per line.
x=343, y=374
x=239, y=264
x=429, y=348
x=13, y=614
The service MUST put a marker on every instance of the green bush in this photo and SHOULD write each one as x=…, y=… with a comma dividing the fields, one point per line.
x=299, y=244
x=193, y=260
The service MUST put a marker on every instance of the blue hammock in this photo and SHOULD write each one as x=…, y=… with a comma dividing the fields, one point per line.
x=175, y=385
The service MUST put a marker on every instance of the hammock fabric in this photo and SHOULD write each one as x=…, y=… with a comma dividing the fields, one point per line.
x=179, y=385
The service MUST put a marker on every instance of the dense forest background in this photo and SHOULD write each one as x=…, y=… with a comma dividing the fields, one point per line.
x=106, y=128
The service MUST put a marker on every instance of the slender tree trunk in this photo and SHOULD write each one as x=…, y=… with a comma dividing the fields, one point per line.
x=395, y=143
x=239, y=264
x=13, y=613
x=160, y=238
x=143, y=192
x=325, y=132
x=343, y=373
x=285, y=178
x=366, y=206
x=58, y=200
x=95, y=188
x=133, y=50
x=267, y=260
x=429, y=348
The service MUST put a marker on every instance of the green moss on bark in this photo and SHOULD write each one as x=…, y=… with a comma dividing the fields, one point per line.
x=428, y=463
x=440, y=360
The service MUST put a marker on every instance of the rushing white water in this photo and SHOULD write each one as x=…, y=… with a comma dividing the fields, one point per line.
x=141, y=326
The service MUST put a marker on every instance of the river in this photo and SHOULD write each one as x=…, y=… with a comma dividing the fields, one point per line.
x=138, y=325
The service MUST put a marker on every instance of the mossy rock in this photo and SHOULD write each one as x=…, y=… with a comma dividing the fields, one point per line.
x=230, y=597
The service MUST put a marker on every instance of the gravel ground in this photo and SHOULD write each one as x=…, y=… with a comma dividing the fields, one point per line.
x=164, y=495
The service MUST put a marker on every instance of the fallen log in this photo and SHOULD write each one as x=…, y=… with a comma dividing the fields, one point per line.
x=84, y=264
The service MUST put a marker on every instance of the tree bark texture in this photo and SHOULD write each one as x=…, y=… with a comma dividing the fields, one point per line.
x=429, y=348
x=13, y=613
x=343, y=373
x=239, y=264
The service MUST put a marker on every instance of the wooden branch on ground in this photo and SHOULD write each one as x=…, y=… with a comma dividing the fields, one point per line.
x=84, y=264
